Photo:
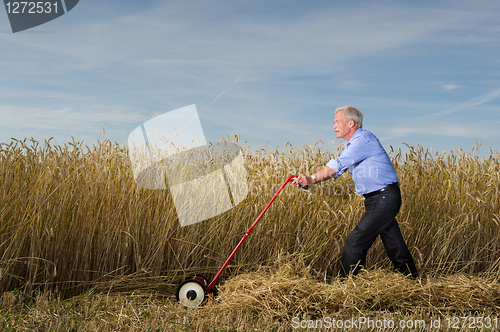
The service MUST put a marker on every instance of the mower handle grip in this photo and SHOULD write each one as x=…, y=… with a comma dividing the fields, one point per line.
x=293, y=177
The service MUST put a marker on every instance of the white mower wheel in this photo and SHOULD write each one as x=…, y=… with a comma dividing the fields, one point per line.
x=191, y=293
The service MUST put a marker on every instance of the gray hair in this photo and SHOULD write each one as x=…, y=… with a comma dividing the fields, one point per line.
x=351, y=114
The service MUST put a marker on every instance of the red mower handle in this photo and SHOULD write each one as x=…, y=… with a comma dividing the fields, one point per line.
x=212, y=283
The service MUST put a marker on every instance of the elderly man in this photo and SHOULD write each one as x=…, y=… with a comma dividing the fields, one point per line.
x=375, y=178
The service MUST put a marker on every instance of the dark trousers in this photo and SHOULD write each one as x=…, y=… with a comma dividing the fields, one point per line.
x=381, y=209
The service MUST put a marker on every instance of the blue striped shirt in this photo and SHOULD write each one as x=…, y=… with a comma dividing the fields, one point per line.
x=367, y=161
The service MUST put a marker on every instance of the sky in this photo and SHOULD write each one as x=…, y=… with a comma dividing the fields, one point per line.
x=422, y=72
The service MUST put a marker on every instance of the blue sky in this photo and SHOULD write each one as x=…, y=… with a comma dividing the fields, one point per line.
x=422, y=72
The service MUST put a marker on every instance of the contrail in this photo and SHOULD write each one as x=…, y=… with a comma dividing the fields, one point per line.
x=415, y=125
x=234, y=83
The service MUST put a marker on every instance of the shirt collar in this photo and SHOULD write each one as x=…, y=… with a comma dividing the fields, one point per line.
x=356, y=133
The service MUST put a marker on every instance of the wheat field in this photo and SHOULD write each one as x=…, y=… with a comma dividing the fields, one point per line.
x=78, y=236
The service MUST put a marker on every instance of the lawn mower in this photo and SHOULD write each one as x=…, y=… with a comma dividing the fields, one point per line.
x=194, y=291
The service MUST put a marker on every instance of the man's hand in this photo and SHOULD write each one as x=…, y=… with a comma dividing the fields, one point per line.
x=302, y=180
x=322, y=175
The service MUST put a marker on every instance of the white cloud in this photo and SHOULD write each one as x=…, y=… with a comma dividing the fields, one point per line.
x=449, y=87
x=473, y=102
x=472, y=124
x=18, y=117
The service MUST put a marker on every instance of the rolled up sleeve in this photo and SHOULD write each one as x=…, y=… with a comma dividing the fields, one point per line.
x=334, y=164
x=337, y=167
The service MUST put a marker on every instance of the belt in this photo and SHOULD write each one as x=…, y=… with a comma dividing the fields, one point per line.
x=389, y=187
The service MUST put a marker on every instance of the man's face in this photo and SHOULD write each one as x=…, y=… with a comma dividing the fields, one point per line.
x=342, y=126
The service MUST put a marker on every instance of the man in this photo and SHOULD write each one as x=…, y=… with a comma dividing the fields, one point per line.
x=375, y=178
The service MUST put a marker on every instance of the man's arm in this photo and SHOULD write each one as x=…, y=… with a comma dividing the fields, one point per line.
x=323, y=174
